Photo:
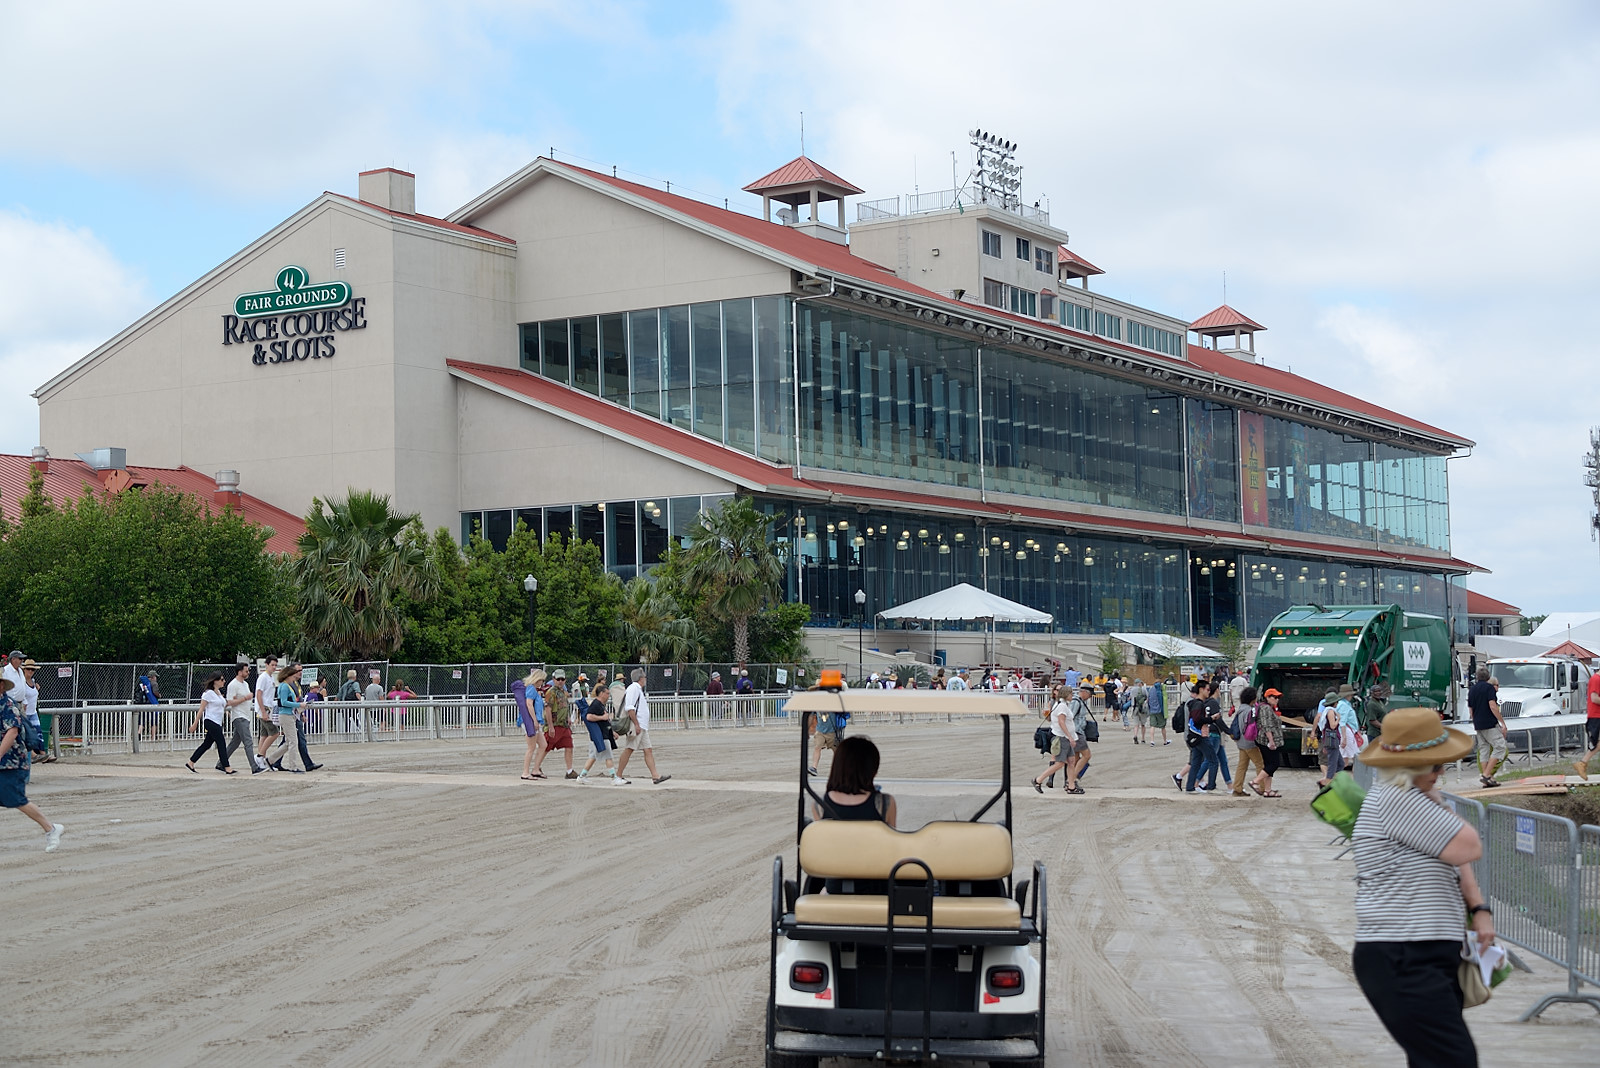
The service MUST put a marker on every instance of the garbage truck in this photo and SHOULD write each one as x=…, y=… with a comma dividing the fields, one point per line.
x=1390, y=657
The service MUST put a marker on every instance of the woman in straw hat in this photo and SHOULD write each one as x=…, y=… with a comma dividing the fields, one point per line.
x=1414, y=885
x=14, y=763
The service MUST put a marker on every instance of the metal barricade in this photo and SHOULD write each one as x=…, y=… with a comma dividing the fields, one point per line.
x=1586, y=957
x=1534, y=885
x=1472, y=812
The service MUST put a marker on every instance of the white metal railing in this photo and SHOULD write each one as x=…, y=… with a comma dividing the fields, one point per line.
x=869, y=210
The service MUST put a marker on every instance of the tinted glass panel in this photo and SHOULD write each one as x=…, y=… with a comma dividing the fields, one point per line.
x=652, y=531
x=554, y=362
x=621, y=531
x=528, y=349
x=645, y=353
x=592, y=524
x=1213, y=482
x=738, y=337
x=586, y=355
x=614, y=358
x=497, y=528
x=533, y=519
x=558, y=521
x=706, y=320
x=774, y=372
x=675, y=364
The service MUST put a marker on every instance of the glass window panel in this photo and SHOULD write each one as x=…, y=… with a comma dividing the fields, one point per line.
x=471, y=526
x=1213, y=475
x=528, y=356
x=622, y=547
x=653, y=531
x=675, y=364
x=497, y=528
x=645, y=354
x=680, y=517
x=558, y=522
x=774, y=373
x=554, y=362
x=586, y=354
x=533, y=519
x=592, y=524
x=614, y=358
x=706, y=333
x=738, y=340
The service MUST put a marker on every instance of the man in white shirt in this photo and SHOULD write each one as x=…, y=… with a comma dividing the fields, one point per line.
x=958, y=681
x=238, y=700
x=267, y=706
x=13, y=668
x=1235, y=689
x=636, y=717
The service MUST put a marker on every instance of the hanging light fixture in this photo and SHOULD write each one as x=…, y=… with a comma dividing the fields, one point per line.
x=1022, y=554
x=902, y=544
x=1088, y=561
x=859, y=541
x=994, y=541
x=844, y=524
x=960, y=536
x=923, y=532
x=1058, y=558
x=983, y=550
x=944, y=550
x=1205, y=570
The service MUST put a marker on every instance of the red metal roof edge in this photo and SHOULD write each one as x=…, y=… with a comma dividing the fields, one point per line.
x=804, y=169
x=1064, y=254
x=1481, y=604
x=427, y=220
x=742, y=467
x=380, y=170
x=1224, y=316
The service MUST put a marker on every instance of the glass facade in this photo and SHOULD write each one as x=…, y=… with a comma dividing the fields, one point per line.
x=633, y=535
x=1212, y=459
x=1273, y=583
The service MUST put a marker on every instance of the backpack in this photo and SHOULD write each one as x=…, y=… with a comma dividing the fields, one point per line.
x=29, y=734
x=1236, y=728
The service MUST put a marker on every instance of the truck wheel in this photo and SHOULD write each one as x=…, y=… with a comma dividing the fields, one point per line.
x=795, y=1060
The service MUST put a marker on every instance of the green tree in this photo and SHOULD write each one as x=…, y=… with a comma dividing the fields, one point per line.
x=147, y=574
x=353, y=566
x=578, y=599
x=35, y=501
x=1231, y=644
x=731, y=563
x=1111, y=657
x=651, y=627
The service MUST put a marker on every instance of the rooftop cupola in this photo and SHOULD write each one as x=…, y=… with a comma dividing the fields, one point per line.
x=1070, y=266
x=800, y=182
x=1229, y=332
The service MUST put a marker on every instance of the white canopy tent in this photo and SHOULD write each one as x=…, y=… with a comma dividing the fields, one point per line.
x=1168, y=645
x=966, y=603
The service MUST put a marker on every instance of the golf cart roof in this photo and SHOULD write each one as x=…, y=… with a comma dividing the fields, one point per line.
x=862, y=702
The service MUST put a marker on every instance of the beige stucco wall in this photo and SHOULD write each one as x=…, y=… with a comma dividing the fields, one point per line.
x=513, y=455
x=582, y=252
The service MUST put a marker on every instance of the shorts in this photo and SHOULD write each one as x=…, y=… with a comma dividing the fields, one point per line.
x=560, y=737
x=830, y=739
x=1592, y=725
x=1080, y=746
x=1491, y=745
x=638, y=740
x=13, y=787
x=267, y=728
x=1157, y=719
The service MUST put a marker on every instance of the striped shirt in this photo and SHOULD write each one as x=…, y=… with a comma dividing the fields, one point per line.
x=1404, y=892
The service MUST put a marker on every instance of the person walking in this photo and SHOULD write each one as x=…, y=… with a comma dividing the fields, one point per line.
x=14, y=765
x=597, y=722
x=1236, y=688
x=1484, y=701
x=1414, y=882
x=1138, y=699
x=26, y=695
x=1247, y=726
x=558, y=723
x=958, y=681
x=210, y=716
x=1269, y=739
x=239, y=697
x=1063, y=745
x=530, y=713
x=636, y=713
x=309, y=718
x=267, y=708
x=286, y=715
x=1591, y=724
x=826, y=736
x=1156, y=706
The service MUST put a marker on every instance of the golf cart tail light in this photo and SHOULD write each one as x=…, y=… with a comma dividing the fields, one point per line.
x=808, y=976
x=1004, y=981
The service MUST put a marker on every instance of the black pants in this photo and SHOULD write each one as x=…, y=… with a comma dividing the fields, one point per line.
x=1412, y=986
x=1271, y=760
x=214, y=737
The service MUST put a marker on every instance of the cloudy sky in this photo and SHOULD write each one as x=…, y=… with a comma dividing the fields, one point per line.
x=1405, y=194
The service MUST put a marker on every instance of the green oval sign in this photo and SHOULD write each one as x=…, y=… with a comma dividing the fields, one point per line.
x=295, y=292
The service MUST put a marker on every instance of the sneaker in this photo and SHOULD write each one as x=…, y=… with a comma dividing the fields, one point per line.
x=618, y=780
x=52, y=840
x=661, y=780
x=1152, y=745
x=1582, y=768
x=314, y=767
x=1136, y=741
x=571, y=774
x=1206, y=789
x=583, y=775
x=1167, y=742
x=1177, y=780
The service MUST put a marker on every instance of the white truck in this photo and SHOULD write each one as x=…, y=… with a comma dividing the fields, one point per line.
x=1531, y=686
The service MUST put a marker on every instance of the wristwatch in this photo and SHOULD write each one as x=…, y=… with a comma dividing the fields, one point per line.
x=1474, y=910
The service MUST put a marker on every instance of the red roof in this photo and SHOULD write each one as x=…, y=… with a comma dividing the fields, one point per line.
x=1064, y=255
x=1224, y=318
x=837, y=259
x=801, y=170
x=66, y=479
x=753, y=473
x=1479, y=605
x=426, y=220
x=1572, y=649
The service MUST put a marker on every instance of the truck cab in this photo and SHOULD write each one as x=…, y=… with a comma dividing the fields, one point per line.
x=1532, y=686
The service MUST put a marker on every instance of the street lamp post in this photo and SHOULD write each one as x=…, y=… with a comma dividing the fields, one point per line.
x=531, y=584
x=861, y=634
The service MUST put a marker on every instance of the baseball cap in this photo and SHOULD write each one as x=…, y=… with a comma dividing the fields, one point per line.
x=716, y=674
x=16, y=654
x=560, y=673
x=1273, y=693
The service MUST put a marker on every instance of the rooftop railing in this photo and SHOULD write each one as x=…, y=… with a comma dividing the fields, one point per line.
x=942, y=200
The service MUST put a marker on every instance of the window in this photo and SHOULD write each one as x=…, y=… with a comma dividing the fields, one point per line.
x=1152, y=337
x=994, y=294
x=1047, y=305
x=1024, y=248
x=991, y=244
x=1073, y=316
x=1024, y=302
x=1108, y=325
x=1044, y=260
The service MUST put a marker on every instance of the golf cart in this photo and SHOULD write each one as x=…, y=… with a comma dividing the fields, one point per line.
x=918, y=949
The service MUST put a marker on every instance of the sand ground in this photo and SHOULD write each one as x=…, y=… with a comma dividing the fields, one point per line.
x=418, y=904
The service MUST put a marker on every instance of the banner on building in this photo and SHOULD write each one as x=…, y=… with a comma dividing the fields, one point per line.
x=1252, y=468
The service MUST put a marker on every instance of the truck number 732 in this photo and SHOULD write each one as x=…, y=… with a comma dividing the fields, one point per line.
x=1308, y=650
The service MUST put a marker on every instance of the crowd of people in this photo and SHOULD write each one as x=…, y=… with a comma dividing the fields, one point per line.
x=615, y=719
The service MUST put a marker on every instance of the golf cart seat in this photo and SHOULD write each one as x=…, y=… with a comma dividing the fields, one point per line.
x=959, y=854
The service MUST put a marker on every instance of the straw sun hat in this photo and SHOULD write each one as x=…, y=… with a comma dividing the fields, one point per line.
x=1414, y=738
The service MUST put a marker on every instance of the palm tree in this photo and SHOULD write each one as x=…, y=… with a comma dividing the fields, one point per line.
x=352, y=562
x=650, y=624
x=731, y=561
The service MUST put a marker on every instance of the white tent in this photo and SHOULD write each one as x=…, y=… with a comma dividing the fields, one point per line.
x=966, y=602
x=1168, y=645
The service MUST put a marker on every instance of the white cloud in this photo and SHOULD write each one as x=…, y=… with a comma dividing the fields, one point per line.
x=61, y=295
